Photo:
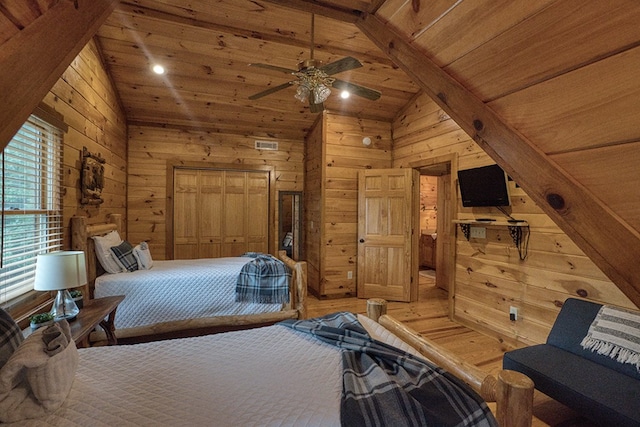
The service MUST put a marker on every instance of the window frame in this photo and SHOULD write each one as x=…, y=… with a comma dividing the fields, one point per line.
x=43, y=132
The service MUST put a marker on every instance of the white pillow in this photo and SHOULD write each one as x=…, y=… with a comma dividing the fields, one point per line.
x=143, y=256
x=104, y=254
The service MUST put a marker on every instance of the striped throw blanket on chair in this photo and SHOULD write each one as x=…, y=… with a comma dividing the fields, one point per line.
x=615, y=332
x=264, y=279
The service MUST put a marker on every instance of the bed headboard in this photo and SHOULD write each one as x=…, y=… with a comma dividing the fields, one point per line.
x=81, y=240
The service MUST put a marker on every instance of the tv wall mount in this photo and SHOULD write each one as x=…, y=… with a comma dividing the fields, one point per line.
x=519, y=232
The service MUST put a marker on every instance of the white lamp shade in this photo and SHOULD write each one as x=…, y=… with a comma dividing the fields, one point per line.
x=60, y=270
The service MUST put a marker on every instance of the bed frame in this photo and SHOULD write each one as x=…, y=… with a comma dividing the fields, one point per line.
x=81, y=239
x=511, y=391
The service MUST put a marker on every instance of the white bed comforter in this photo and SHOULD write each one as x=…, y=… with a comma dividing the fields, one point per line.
x=272, y=376
x=178, y=290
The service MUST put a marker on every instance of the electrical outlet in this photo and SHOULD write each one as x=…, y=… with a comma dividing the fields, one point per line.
x=478, y=233
x=349, y=274
x=513, y=313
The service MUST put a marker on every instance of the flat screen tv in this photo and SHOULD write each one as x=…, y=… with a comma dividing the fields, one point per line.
x=483, y=186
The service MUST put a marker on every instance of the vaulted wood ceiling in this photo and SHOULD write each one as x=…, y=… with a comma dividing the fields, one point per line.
x=207, y=47
x=549, y=88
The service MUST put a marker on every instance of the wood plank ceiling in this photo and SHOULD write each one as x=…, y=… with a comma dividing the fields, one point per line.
x=549, y=88
x=206, y=48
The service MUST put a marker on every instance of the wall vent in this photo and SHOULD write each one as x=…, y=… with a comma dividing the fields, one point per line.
x=267, y=145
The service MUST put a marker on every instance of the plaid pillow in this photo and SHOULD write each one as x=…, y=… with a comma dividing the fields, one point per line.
x=124, y=256
x=10, y=337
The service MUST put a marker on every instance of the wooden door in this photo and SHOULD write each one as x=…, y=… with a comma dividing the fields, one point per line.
x=235, y=211
x=387, y=233
x=185, y=228
x=196, y=213
x=211, y=187
x=219, y=213
x=258, y=207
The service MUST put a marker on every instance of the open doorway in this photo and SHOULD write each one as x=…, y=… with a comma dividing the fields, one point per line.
x=436, y=248
x=290, y=223
x=428, y=213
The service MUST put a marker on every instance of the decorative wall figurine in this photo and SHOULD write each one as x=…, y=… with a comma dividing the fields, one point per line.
x=91, y=178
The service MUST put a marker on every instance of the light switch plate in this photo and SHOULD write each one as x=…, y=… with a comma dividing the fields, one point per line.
x=478, y=233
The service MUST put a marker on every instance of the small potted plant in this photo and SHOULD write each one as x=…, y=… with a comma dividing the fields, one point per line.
x=42, y=319
x=77, y=297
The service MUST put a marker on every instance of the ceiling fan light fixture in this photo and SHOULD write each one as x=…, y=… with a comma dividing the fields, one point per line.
x=321, y=93
x=302, y=93
x=313, y=85
x=314, y=81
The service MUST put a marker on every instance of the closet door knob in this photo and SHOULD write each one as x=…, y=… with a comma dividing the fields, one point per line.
x=361, y=240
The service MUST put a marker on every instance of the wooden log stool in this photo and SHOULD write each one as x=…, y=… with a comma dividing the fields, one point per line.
x=376, y=307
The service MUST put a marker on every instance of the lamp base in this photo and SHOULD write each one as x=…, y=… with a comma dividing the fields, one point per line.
x=64, y=307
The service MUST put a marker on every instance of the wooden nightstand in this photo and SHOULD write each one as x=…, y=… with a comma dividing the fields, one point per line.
x=99, y=311
x=93, y=314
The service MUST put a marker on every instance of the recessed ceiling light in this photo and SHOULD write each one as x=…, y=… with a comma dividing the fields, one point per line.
x=344, y=94
x=158, y=69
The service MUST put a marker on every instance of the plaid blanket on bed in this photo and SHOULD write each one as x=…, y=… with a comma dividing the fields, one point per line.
x=264, y=279
x=384, y=386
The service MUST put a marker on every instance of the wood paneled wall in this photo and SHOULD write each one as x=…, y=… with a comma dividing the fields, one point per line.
x=152, y=148
x=335, y=154
x=314, y=172
x=91, y=108
x=489, y=276
x=428, y=203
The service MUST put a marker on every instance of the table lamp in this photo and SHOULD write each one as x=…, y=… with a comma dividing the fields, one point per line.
x=59, y=271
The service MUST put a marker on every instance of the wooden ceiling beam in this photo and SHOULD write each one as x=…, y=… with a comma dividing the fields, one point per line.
x=612, y=244
x=33, y=59
x=375, y=5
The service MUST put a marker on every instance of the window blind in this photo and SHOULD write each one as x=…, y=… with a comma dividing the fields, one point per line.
x=31, y=177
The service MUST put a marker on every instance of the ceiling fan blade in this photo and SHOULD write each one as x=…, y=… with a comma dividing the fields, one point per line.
x=275, y=68
x=344, y=64
x=358, y=90
x=270, y=90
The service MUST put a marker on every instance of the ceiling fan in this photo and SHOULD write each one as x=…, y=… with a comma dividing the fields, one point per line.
x=314, y=79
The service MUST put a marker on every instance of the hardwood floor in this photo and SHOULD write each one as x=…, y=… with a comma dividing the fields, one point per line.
x=429, y=316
